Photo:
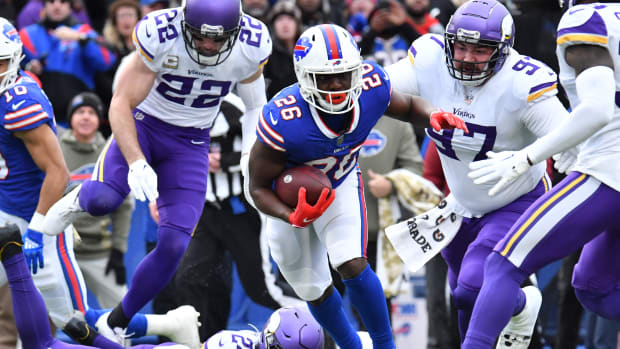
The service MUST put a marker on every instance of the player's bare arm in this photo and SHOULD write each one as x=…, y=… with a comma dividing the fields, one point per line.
x=266, y=165
x=42, y=145
x=134, y=83
x=420, y=112
x=582, y=57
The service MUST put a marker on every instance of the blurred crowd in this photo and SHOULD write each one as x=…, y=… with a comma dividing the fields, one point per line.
x=74, y=48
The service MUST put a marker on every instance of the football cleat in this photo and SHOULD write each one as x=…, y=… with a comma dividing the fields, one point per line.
x=62, y=213
x=185, y=326
x=116, y=334
x=518, y=333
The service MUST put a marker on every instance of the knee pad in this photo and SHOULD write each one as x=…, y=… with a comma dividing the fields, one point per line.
x=464, y=298
x=307, y=284
x=172, y=242
x=99, y=198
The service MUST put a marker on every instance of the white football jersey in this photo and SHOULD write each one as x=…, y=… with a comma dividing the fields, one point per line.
x=594, y=24
x=498, y=116
x=233, y=340
x=186, y=93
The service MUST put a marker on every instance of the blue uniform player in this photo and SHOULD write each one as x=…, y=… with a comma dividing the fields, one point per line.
x=323, y=121
x=33, y=175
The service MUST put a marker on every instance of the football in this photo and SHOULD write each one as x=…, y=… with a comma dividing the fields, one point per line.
x=289, y=182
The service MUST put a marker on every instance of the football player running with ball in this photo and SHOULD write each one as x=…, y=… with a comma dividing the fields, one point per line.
x=322, y=121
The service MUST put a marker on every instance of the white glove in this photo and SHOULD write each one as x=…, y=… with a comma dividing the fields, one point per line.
x=564, y=161
x=142, y=181
x=504, y=166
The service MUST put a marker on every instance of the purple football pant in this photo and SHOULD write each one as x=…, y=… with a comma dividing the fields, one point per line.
x=579, y=211
x=475, y=240
x=179, y=156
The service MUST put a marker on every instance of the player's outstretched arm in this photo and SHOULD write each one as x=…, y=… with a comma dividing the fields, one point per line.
x=596, y=88
x=44, y=149
x=134, y=83
x=265, y=166
x=421, y=112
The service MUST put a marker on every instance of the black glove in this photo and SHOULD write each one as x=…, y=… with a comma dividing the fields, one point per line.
x=117, y=264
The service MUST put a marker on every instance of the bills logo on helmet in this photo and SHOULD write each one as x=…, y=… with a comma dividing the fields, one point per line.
x=10, y=32
x=302, y=48
x=374, y=144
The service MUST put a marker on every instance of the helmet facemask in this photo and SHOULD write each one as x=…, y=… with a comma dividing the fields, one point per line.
x=216, y=33
x=219, y=21
x=500, y=51
x=484, y=24
x=332, y=102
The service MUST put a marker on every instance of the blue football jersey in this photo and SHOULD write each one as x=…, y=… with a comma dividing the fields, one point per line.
x=289, y=124
x=23, y=107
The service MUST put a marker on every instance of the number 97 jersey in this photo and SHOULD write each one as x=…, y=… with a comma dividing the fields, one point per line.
x=498, y=114
x=186, y=93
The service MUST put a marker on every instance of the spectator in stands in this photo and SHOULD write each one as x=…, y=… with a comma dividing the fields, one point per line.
x=148, y=6
x=64, y=54
x=100, y=253
x=33, y=11
x=256, y=8
x=315, y=12
x=358, y=12
x=421, y=20
x=390, y=33
x=284, y=22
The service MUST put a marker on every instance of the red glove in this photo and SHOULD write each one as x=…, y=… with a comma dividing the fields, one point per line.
x=304, y=213
x=445, y=120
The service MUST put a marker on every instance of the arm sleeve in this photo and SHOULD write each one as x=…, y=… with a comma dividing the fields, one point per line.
x=596, y=88
x=253, y=96
x=403, y=77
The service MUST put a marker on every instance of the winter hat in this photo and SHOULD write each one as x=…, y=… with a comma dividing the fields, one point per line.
x=85, y=98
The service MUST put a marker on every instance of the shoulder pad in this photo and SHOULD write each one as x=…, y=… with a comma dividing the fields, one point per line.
x=533, y=80
x=254, y=40
x=425, y=49
x=156, y=33
x=582, y=25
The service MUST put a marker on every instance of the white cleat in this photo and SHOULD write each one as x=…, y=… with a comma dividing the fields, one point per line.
x=62, y=213
x=116, y=334
x=184, y=329
x=518, y=332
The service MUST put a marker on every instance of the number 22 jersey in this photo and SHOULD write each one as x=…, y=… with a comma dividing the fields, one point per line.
x=186, y=93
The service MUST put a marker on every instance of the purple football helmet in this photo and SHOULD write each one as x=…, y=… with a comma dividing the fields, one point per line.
x=215, y=19
x=485, y=23
x=291, y=328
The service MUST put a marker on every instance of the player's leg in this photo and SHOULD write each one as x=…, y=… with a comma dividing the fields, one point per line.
x=180, y=203
x=28, y=306
x=558, y=223
x=344, y=232
x=596, y=278
x=302, y=260
x=101, y=194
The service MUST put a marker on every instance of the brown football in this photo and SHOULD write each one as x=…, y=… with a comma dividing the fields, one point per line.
x=289, y=182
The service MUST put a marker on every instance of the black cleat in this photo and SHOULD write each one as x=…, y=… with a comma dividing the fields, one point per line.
x=10, y=237
x=79, y=331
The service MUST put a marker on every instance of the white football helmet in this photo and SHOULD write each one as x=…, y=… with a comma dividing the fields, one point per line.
x=11, y=50
x=328, y=49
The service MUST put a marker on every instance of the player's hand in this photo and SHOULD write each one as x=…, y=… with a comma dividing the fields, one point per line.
x=445, y=120
x=142, y=181
x=304, y=213
x=564, y=161
x=116, y=264
x=504, y=166
x=33, y=249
